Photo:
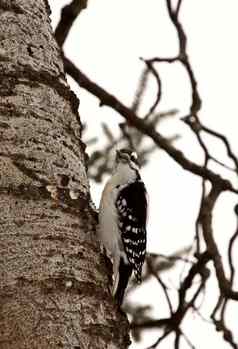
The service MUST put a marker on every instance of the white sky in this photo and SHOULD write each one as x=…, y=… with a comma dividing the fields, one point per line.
x=106, y=43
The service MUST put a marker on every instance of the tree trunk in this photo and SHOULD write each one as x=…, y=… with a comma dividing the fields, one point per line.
x=53, y=282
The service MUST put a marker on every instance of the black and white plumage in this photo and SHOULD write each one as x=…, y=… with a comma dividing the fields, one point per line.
x=122, y=221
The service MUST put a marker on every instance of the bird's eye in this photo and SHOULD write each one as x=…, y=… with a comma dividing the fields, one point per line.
x=133, y=156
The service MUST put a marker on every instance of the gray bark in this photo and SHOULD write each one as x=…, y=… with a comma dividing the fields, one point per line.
x=53, y=281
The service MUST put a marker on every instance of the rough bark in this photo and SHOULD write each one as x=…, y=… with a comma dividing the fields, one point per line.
x=53, y=282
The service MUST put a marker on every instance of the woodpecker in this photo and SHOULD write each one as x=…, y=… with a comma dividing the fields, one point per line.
x=122, y=221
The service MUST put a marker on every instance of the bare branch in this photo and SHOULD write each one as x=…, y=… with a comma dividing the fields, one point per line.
x=226, y=143
x=172, y=323
x=69, y=14
x=160, y=339
x=162, y=284
x=159, y=86
x=178, y=7
x=133, y=120
x=230, y=250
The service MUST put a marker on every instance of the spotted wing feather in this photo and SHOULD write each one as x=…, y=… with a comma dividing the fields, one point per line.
x=132, y=213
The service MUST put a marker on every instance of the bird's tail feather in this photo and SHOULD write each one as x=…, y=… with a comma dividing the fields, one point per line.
x=125, y=271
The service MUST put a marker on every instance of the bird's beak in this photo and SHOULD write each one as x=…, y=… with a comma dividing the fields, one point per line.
x=118, y=154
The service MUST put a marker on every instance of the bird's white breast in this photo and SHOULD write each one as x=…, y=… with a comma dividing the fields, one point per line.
x=108, y=220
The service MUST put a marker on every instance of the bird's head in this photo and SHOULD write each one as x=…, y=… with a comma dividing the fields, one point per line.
x=127, y=157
